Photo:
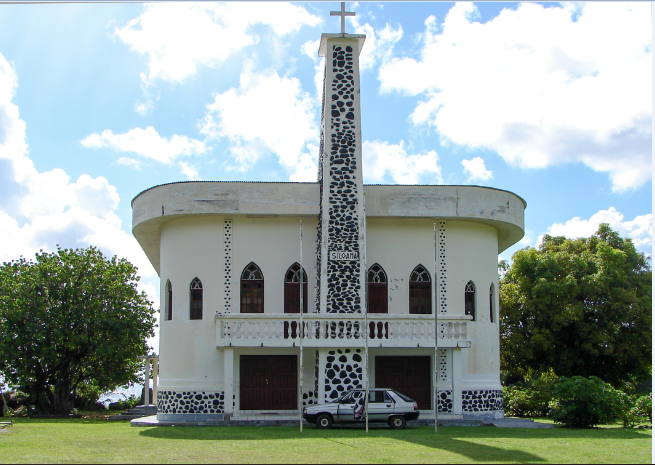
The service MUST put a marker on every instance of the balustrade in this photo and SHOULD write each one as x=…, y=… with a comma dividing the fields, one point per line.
x=339, y=330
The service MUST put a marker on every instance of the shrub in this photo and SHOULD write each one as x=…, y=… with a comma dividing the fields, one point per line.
x=131, y=401
x=116, y=406
x=583, y=403
x=644, y=405
x=530, y=398
x=636, y=410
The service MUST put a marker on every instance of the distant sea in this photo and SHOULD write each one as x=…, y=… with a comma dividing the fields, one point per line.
x=121, y=393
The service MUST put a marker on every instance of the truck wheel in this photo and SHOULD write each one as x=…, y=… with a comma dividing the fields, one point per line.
x=324, y=421
x=397, y=422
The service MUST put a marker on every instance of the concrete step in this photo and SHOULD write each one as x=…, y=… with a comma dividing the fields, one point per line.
x=134, y=413
x=142, y=410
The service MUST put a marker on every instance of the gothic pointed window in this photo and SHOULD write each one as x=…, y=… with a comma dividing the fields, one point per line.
x=469, y=299
x=292, y=297
x=168, y=305
x=491, y=303
x=292, y=290
x=377, y=293
x=196, y=300
x=252, y=289
x=378, y=301
x=420, y=292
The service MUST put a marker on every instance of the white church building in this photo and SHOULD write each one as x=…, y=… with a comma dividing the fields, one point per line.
x=229, y=258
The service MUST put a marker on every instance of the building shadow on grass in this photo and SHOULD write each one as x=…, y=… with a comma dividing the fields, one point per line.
x=457, y=440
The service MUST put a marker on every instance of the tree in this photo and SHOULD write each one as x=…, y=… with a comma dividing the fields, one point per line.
x=70, y=322
x=578, y=307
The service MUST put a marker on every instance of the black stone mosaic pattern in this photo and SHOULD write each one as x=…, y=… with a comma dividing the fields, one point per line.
x=227, y=245
x=190, y=402
x=319, y=235
x=482, y=401
x=443, y=303
x=445, y=401
x=343, y=277
x=343, y=371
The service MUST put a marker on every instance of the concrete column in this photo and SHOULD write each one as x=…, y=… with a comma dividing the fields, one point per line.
x=228, y=380
x=155, y=375
x=457, y=380
x=322, y=360
x=146, y=384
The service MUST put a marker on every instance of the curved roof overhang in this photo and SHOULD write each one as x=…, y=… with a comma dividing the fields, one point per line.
x=154, y=207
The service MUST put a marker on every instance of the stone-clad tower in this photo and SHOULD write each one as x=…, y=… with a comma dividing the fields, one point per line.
x=342, y=223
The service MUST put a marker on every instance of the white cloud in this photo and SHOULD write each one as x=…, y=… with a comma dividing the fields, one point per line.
x=535, y=96
x=475, y=170
x=126, y=161
x=147, y=143
x=268, y=113
x=178, y=37
x=378, y=45
x=310, y=48
x=384, y=162
x=528, y=238
x=306, y=169
x=640, y=230
x=190, y=171
x=39, y=210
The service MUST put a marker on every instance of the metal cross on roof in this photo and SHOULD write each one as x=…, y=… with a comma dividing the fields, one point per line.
x=343, y=13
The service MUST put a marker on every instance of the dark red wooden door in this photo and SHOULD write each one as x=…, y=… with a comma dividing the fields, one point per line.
x=269, y=382
x=252, y=296
x=407, y=375
x=420, y=298
x=378, y=298
x=292, y=305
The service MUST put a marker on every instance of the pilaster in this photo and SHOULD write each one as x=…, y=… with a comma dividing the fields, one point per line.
x=228, y=381
x=457, y=381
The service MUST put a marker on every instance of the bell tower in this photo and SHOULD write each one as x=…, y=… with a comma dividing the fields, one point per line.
x=342, y=222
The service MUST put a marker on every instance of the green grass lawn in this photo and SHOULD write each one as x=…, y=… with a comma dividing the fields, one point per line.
x=101, y=441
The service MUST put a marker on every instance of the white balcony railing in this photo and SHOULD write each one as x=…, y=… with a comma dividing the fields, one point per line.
x=338, y=330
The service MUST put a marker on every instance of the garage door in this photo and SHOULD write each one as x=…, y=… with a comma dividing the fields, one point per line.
x=407, y=375
x=269, y=382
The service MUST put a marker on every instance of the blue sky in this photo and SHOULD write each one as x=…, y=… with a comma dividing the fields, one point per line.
x=101, y=101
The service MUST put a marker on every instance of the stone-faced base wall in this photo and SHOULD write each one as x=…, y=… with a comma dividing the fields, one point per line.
x=190, y=402
x=343, y=371
x=482, y=401
x=445, y=401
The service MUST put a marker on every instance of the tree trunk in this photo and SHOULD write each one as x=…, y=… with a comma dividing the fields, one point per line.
x=63, y=397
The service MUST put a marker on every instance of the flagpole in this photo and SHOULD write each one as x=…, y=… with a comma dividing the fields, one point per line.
x=300, y=331
x=436, y=337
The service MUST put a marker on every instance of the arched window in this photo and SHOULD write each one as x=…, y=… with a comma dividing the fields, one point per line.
x=292, y=297
x=196, y=300
x=469, y=299
x=491, y=303
x=252, y=289
x=168, y=303
x=420, y=292
x=378, y=301
x=292, y=290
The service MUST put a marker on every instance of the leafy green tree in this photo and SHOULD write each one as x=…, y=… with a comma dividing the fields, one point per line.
x=70, y=322
x=578, y=307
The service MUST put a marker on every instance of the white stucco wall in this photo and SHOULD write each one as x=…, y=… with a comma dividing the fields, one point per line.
x=194, y=247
